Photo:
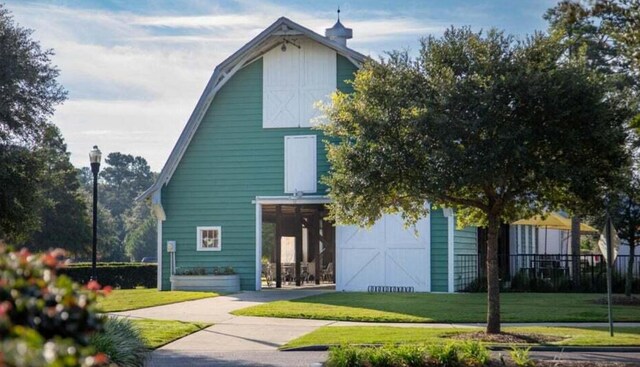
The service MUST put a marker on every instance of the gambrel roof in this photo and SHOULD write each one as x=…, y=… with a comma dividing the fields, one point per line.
x=257, y=47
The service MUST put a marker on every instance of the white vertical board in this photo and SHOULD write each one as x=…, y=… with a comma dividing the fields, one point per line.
x=318, y=80
x=386, y=254
x=280, y=84
x=294, y=80
x=300, y=161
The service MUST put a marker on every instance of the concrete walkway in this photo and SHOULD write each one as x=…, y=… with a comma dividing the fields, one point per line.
x=232, y=340
x=254, y=341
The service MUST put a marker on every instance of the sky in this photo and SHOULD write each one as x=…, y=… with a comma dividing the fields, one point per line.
x=134, y=69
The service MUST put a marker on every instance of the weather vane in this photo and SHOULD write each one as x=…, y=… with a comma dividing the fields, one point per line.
x=338, y=13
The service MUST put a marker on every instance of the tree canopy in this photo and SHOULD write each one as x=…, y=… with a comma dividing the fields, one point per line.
x=28, y=85
x=29, y=92
x=606, y=34
x=495, y=128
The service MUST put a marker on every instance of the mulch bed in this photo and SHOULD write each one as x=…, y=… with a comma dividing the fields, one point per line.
x=508, y=338
x=582, y=364
x=559, y=363
x=619, y=301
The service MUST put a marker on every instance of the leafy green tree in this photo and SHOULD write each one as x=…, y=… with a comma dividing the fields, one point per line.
x=124, y=178
x=20, y=193
x=494, y=128
x=28, y=93
x=110, y=248
x=141, y=231
x=64, y=221
x=625, y=214
x=607, y=35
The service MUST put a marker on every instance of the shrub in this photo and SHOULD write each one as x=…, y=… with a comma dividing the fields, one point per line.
x=412, y=355
x=45, y=318
x=520, y=356
x=444, y=355
x=191, y=271
x=345, y=356
x=227, y=270
x=121, y=342
x=382, y=357
x=119, y=275
x=216, y=270
x=474, y=353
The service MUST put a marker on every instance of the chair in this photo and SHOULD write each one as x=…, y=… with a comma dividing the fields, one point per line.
x=267, y=272
x=327, y=273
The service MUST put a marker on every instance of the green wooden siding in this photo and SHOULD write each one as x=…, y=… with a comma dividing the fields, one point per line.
x=439, y=251
x=231, y=160
x=465, y=268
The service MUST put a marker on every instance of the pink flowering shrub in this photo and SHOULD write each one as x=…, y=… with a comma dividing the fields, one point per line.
x=45, y=319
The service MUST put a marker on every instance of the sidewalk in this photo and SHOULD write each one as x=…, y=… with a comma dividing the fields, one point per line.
x=254, y=341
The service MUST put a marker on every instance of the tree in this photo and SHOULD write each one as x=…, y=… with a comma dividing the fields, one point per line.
x=20, y=192
x=28, y=93
x=607, y=35
x=495, y=129
x=28, y=80
x=64, y=221
x=141, y=231
x=110, y=248
x=124, y=178
x=625, y=214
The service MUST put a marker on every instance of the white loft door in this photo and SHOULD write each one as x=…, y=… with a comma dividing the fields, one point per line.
x=300, y=171
x=294, y=80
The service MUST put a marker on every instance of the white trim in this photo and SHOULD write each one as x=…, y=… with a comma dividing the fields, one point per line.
x=293, y=200
x=199, y=238
x=156, y=205
x=159, y=255
x=450, y=253
x=428, y=238
x=258, y=246
x=314, y=159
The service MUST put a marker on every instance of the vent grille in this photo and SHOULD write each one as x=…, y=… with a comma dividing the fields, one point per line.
x=389, y=289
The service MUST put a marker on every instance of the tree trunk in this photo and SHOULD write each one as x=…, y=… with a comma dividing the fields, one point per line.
x=628, y=284
x=493, y=281
x=575, y=251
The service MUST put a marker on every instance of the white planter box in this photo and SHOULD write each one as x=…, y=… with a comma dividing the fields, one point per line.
x=217, y=283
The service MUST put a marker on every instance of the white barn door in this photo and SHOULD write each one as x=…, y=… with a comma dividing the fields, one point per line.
x=385, y=255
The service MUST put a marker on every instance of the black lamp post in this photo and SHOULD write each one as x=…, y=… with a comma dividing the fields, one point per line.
x=94, y=157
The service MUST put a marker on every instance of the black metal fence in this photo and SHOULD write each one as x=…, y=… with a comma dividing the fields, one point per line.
x=546, y=273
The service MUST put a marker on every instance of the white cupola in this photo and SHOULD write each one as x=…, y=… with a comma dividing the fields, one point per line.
x=339, y=33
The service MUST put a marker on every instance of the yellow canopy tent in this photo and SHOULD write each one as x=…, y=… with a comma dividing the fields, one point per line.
x=553, y=221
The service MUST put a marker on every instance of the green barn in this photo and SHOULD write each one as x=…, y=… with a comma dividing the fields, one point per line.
x=242, y=187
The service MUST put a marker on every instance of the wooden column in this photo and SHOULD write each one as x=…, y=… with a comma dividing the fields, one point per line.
x=314, y=234
x=278, y=247
x=298, y=235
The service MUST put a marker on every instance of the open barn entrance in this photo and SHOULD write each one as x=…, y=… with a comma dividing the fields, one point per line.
x=298, y=246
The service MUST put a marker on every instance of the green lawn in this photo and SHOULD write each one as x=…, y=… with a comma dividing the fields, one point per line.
x=336, y=335
x=430, y=307
x=131, y=299
x=157, y=333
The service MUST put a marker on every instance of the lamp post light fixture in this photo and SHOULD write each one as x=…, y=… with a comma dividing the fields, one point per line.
x=94, y=157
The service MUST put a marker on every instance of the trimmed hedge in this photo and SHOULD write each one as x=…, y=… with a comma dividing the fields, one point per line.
x=117, y=275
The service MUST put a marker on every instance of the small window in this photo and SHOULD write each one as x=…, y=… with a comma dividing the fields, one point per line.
x=209, y=239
